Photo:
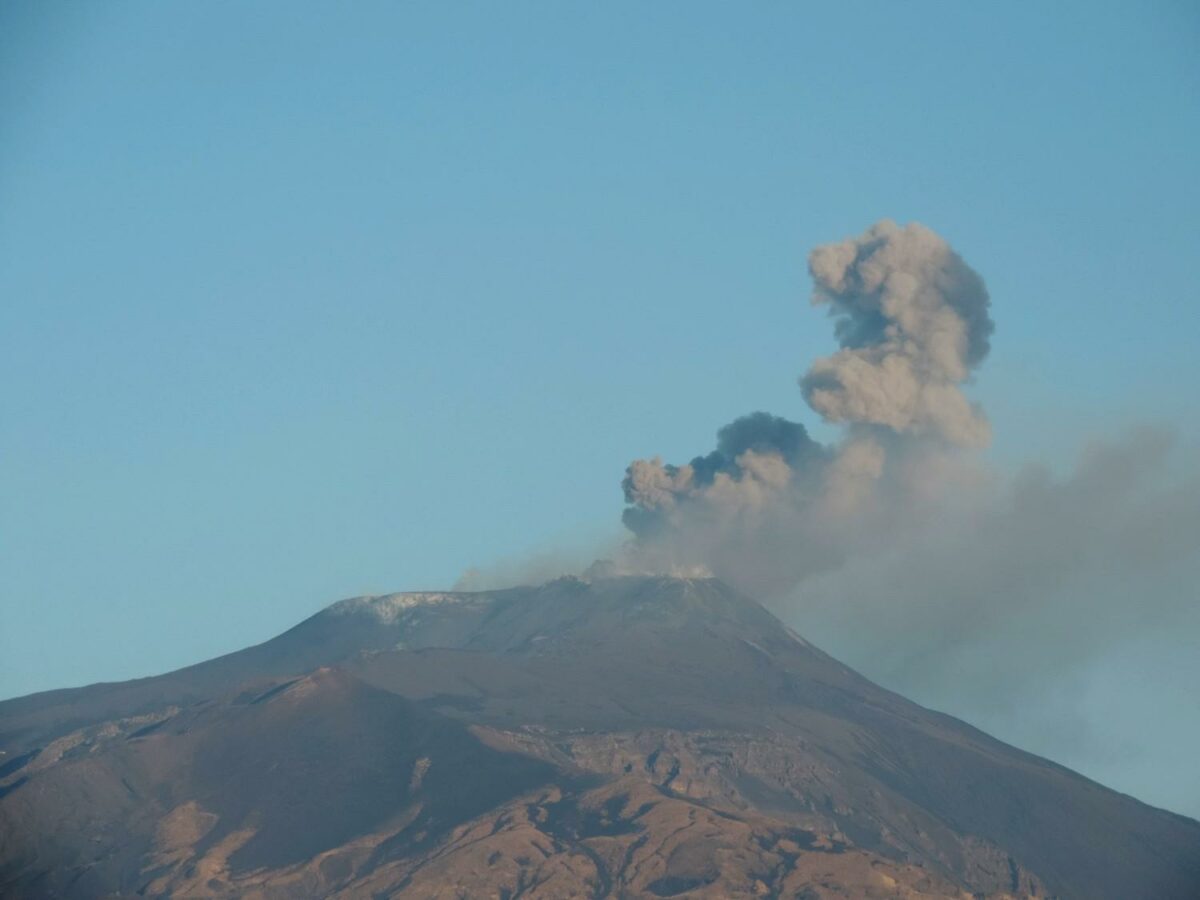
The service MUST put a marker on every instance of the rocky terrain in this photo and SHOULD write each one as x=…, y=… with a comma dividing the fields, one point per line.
x=616, y=737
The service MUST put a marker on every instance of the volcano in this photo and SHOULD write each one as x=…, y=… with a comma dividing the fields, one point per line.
x=608, y=737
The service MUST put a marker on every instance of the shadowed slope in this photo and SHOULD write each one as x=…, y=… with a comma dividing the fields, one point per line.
x=264, y=780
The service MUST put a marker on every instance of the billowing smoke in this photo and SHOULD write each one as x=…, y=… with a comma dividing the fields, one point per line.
x=717, y=513
x=912, y=319
x=1024, y=604
x=754, y=460
x=770, y=505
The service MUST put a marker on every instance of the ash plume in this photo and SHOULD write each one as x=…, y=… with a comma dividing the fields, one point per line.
x=1002, y=599
x=1021, y=602
x=770, y=505
x=912, y=319
x=754, y=458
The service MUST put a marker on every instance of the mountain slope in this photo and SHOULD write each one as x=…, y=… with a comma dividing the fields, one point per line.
x=615, y=737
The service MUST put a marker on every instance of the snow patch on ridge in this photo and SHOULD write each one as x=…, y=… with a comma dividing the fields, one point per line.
x=389, y=608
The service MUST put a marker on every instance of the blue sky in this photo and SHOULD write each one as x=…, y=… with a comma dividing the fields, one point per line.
x=305, y=301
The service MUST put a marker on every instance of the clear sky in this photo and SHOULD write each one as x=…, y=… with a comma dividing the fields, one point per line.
x=301, y=301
